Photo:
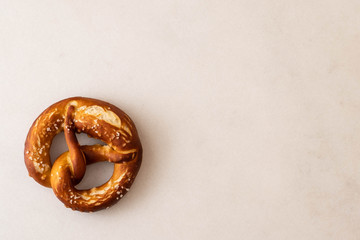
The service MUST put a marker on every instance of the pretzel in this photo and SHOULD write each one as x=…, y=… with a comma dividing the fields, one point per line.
x=99, y=120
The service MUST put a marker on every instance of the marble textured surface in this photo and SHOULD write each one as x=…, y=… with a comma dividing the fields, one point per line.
x=248, y=113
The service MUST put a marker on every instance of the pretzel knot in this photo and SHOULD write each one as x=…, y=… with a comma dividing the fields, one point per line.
x=99, y=120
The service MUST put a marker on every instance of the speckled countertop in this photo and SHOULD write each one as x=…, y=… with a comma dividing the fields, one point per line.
x=248, y=112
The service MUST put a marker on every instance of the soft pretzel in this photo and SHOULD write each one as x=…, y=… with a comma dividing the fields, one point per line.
x=99, y=120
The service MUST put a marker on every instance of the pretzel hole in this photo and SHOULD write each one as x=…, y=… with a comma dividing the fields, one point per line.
x=58, y=145
x=96, y=174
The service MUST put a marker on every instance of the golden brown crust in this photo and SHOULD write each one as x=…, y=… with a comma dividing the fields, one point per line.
x=99, y=120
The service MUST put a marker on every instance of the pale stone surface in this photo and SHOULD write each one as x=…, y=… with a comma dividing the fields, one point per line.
x=248, y=113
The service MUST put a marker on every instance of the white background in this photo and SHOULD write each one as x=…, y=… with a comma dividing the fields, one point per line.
x=248, y=112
